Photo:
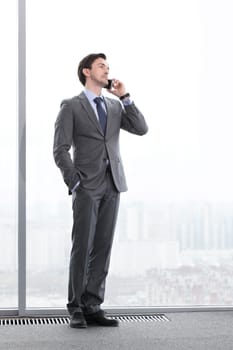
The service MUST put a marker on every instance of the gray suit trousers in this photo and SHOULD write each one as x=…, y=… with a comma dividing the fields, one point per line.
x=94, y=219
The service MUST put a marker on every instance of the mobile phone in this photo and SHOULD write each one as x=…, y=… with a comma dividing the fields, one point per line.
x=109, y=85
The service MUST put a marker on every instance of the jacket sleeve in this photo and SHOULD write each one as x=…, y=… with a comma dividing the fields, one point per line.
x=63, y=138
x=133, y=120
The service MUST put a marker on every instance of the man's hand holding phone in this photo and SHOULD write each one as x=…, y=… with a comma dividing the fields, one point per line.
x=116, y=87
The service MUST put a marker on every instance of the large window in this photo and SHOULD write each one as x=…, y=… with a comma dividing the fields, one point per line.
x=8, y=189
x=173, y=244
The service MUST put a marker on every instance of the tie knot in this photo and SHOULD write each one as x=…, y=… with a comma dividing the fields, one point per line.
x=98, y=100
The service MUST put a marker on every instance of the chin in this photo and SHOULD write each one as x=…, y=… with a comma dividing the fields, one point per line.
x=104, y=84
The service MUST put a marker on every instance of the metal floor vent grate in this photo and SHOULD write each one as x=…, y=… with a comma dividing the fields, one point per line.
x=32, y=321
x=143, y=318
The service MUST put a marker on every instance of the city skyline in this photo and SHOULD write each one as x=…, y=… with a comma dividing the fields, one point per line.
x=180, y=244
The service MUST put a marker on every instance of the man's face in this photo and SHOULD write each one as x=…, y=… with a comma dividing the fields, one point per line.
x=99, y=72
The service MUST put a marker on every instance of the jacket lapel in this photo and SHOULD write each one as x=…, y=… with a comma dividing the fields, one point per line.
x=109, y=115
x=90, y=113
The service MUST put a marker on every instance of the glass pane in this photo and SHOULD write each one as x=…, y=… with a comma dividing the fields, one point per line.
x=8, y=190
x=173, y=241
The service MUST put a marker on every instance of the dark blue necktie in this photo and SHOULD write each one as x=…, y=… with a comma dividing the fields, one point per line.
x=101, y=113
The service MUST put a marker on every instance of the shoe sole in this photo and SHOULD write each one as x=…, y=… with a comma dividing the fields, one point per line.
x=78, y=326
x=96, y=323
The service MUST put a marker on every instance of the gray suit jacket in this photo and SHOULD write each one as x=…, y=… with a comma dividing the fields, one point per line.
x=77, y=126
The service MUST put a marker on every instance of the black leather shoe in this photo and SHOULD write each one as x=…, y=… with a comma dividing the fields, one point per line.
x=77, y=320
x=99, y=318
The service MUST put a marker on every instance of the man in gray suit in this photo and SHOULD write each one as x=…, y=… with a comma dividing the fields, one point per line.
x=91, y=124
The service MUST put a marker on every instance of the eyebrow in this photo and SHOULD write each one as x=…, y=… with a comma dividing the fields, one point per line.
x=102, y=64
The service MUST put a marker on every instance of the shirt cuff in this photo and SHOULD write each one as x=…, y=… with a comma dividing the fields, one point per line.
x=127, y=101
x=76, y=186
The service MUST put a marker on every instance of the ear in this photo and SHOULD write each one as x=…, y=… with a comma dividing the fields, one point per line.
x=86, y=72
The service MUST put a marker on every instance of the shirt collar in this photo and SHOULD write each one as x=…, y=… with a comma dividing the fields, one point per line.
x=90, y=95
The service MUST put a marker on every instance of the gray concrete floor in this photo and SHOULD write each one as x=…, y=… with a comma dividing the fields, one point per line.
x=188, y=330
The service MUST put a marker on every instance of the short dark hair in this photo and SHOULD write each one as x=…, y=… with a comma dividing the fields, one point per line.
x=86, y=62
